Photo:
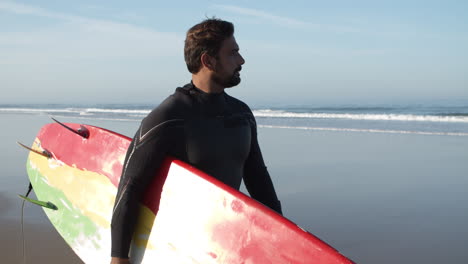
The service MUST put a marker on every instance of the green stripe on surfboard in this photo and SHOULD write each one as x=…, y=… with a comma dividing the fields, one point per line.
x=69, y=221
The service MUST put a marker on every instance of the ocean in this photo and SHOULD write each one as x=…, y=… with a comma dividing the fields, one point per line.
x=424, y=120
x=382, y=184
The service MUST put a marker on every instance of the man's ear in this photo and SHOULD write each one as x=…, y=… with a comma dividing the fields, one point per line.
x=208, y=61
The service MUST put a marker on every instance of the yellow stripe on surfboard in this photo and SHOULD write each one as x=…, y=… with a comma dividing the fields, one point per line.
x=92, y=192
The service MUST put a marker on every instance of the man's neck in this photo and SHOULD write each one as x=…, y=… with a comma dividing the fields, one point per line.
x=206, y=84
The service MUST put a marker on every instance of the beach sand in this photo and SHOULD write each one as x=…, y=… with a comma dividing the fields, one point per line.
x=42, y=244
x=377, y=198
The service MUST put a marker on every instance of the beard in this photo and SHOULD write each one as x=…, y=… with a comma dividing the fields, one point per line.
x=227, y=81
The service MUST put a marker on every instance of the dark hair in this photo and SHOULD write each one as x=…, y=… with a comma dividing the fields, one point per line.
x=205, y=37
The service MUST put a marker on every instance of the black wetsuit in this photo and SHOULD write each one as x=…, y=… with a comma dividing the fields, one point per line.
x=215, y=133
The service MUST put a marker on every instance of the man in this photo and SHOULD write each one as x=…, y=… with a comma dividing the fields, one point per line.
x=199, y=124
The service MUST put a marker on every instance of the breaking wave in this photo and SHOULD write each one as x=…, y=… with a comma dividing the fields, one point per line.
x=457, y=118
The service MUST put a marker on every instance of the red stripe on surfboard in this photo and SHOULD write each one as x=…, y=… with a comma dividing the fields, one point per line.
x=92, y=156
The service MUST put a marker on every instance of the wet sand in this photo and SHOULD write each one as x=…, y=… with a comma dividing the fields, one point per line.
x=42, y=244
x=378, y=198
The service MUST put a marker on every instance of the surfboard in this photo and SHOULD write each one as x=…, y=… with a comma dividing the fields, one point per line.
x=186, y=216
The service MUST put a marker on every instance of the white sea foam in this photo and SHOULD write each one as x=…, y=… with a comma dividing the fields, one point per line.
x=38, y=110
x=268, y=113
x=79, y=111
x=373, y=117
x=387, y=131
x=117, y=111
x=100, y=118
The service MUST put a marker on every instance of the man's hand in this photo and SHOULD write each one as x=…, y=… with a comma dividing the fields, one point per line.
x=120, y=261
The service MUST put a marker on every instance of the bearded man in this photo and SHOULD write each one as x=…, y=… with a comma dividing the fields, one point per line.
x=199, y=124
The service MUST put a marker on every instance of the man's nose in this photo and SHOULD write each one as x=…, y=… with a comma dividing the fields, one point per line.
x=242, y=61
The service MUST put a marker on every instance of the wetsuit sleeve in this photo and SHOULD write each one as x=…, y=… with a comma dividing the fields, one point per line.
x=256, y=177
x=147, y=150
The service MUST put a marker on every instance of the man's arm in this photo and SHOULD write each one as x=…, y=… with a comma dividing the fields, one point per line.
x=256, y=177
x=115, y=260
x=144, y=156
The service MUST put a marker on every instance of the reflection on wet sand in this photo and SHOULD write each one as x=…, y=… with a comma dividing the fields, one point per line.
x=6, y=204
x=43, y=244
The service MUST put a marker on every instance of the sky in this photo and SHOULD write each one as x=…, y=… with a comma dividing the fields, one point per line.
x=297, y=52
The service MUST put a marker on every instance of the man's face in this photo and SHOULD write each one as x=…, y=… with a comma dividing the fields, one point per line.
x=228, y=64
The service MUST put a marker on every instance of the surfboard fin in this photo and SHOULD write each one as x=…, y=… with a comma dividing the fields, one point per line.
x=82, y=131
x=44, y=153
x=48, y=205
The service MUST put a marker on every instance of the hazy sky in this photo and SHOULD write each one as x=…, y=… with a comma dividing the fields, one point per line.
x=296, y=52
